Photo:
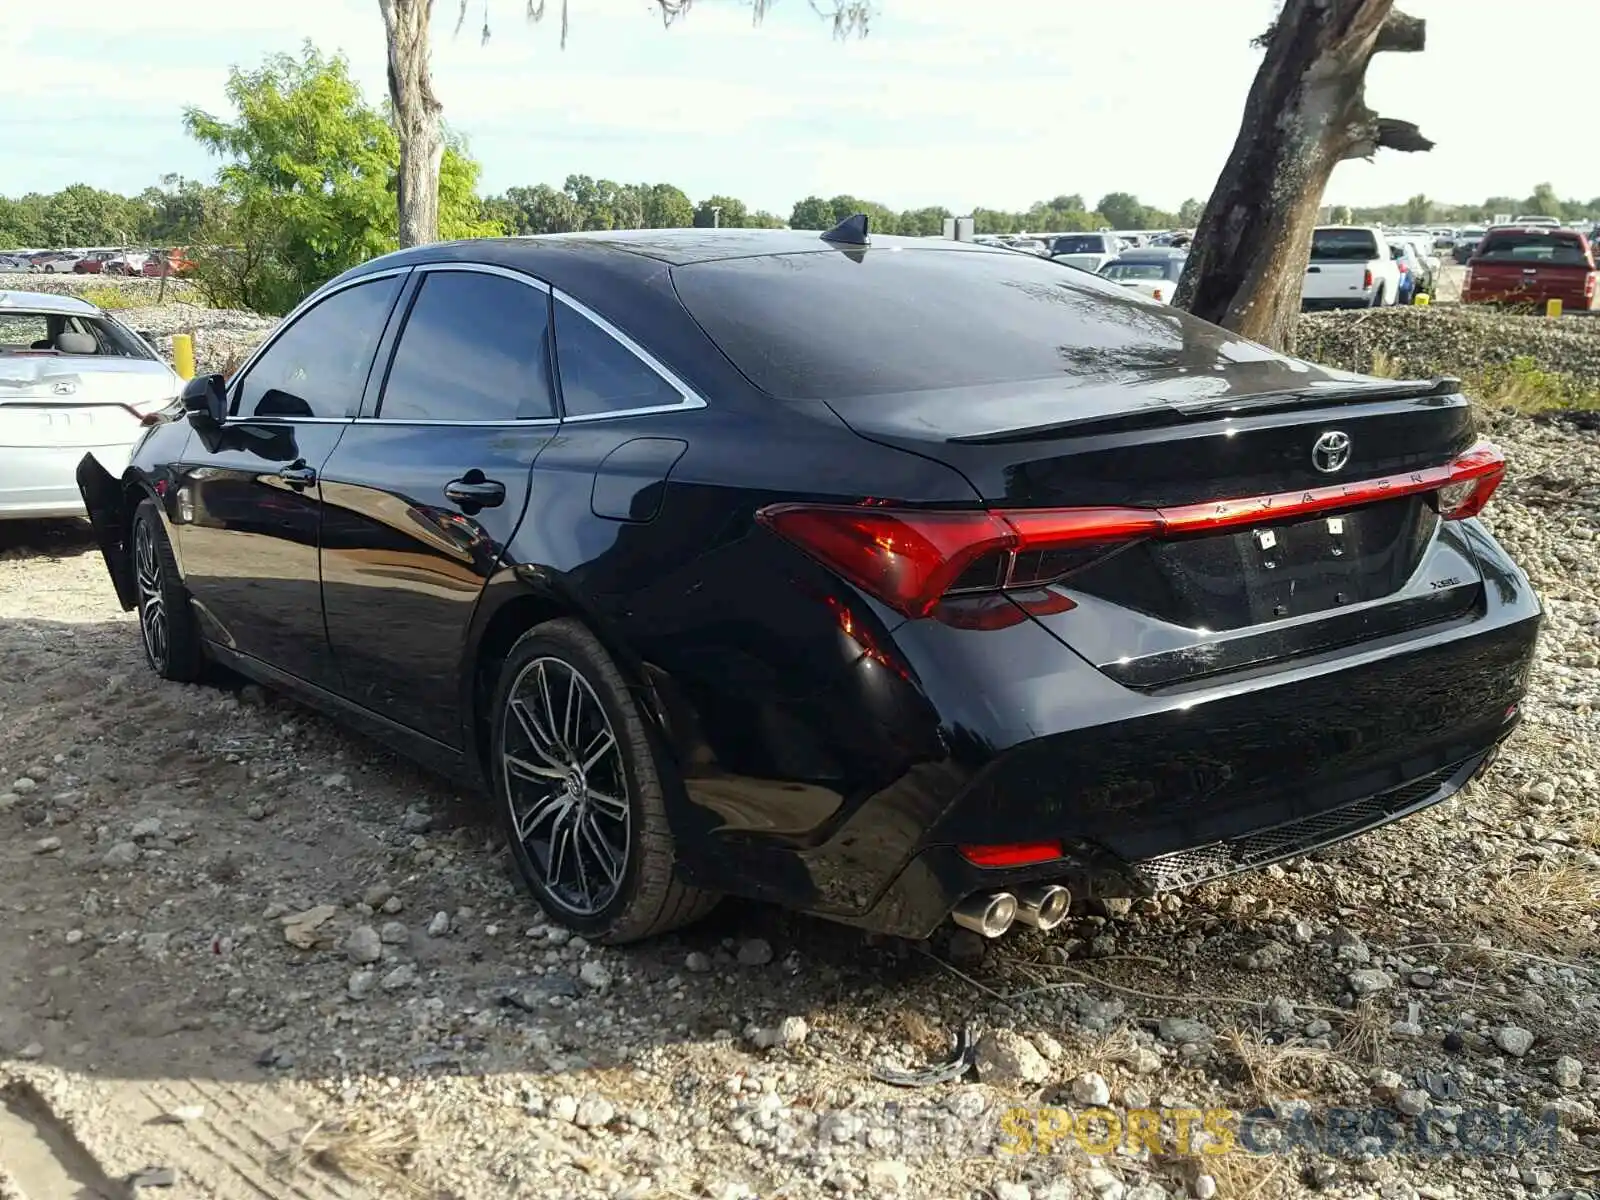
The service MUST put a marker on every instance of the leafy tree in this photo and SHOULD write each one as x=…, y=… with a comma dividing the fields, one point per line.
x=418, y=115
x=811, y=213
x=311, y=170
x=1418, y=209
x=666, y=207
x=1122, y=210
x=1543, y=203
x=724, y=211
x=1189, y=213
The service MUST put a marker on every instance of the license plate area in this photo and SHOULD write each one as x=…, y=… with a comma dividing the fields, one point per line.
x=1270, y=572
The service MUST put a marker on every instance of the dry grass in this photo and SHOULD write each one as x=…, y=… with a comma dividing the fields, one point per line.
x=1365, y=1033
x=1241, y=1175
x=1276, y=1071
x=375, y=1154
x=1553, y=907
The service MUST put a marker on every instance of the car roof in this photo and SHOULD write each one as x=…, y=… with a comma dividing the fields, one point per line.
x=675, y=247
x=1152, y=254
x=46, y=302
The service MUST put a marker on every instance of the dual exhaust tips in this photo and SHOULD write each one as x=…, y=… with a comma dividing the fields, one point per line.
x=990, y=914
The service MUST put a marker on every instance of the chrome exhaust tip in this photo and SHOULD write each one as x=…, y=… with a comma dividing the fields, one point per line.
x=986, y=913
x=1044, y=907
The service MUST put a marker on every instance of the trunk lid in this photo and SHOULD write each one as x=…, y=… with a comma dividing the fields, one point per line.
x=1154, y=444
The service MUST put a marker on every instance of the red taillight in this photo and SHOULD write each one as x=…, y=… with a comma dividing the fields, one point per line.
x=1366, y=280
x=1014, y=854
x=1589, y=285
x=912, y=559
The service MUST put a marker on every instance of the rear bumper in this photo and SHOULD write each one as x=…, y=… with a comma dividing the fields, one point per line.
x=37, y=482
x=1144, y=789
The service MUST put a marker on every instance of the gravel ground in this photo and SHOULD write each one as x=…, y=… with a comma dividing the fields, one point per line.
x=248, y=946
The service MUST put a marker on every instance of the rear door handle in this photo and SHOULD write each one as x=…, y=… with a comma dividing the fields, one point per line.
x=298, y=476
x=475, y=490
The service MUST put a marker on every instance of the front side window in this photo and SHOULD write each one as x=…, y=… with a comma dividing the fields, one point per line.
x=601, y=375
x=476, y=347
x=318, y=366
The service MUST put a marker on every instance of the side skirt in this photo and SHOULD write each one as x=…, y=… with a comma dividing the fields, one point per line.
x=434, y=755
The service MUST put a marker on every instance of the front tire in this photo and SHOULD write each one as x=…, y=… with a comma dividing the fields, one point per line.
x=171, y=636
x=579, y=791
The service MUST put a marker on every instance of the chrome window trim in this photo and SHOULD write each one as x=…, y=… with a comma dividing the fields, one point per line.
x=512, y=424
x=690, y=398
x=536, y=284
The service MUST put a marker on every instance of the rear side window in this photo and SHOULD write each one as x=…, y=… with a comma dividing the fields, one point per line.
x=823, y=325
x=1083, y=244
x=1343, y=245
x=476, y=347
x=318, y=366
x=1563, y=250
x=1135, y=270
x=599, y=374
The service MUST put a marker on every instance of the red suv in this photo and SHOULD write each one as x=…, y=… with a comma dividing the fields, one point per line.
x=1530, y=266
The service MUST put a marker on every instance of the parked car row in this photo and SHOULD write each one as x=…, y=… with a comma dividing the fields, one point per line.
x=102, y=261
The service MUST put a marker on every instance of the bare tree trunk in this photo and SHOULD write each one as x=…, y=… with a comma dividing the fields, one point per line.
x=1305, y=114
x=416, y=118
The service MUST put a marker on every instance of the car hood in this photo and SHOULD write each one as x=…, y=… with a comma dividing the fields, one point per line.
x=65, y=380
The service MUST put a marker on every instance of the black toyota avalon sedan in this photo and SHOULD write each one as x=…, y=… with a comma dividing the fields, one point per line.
x=894, y=580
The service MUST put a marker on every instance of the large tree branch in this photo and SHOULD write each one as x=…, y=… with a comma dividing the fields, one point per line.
x=1401, y=32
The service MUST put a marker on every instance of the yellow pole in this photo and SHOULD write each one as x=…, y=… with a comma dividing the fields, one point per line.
x=183, y=354
x=1552, y=307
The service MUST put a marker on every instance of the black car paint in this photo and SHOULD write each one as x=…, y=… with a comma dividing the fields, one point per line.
x=829, y=751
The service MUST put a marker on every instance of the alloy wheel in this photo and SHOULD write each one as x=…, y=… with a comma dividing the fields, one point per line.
x=566, y=786
x=152, y=603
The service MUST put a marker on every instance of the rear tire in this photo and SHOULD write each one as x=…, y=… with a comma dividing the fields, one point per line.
x=167, y=627
x=580, y=793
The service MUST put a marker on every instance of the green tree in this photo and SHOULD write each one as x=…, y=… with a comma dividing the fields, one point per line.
x=1122, y=210
x=1189, y=213
x=1543, y=203
x=311, y=169
x=811, y=213
x=923, y=222
x=1418, y=210
x=666, y=207
x=728, y=212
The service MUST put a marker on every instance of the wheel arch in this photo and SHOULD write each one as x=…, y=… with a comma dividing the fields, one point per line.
x=515, y=601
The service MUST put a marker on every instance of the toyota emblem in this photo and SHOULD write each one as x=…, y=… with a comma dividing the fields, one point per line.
x=1331, y=451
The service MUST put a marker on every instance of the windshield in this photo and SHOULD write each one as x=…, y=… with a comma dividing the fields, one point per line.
x=1134, y=270
x=1090, y=243
x=820, y=326
x=66, y=333
x=1343, y=245
x=1558, y=249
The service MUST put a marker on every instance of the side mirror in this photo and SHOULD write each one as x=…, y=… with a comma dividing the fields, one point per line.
x=205, y=398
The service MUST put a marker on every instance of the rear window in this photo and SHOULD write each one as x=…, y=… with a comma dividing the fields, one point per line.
x=41, y=332
x=1557, y=249
x=1121, y=270
x=814, y=326
x=1086, y=244
x=1343, y=245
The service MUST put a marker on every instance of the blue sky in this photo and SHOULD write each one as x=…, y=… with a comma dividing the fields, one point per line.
x=952, y=102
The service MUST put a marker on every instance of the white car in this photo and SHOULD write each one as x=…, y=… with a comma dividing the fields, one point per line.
x=1086, y=251
x=1351, y=267
x=73, y=381
x=1151, y=272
